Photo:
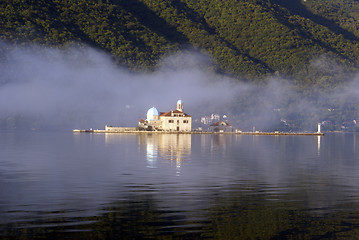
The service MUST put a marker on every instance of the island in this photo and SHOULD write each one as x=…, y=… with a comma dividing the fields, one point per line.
x=177, y=121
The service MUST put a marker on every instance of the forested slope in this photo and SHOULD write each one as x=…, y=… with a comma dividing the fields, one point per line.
x=251, y=39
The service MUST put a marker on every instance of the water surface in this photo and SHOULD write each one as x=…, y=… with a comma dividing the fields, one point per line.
x=180, y=186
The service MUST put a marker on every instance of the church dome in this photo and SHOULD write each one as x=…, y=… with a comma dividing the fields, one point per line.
x=179, y=102
x=152, y=114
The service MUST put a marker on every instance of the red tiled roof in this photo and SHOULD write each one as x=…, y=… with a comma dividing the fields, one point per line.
x=168, y=114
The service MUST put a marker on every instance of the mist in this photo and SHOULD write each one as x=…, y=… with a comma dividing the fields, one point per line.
x=83, y=88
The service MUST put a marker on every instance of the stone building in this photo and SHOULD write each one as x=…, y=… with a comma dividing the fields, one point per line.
x=174, y=120
x=221, y=126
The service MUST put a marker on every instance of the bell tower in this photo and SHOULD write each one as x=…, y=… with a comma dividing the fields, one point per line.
x=180, y=105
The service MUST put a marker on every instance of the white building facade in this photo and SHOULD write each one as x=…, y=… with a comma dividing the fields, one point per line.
x=174, y=120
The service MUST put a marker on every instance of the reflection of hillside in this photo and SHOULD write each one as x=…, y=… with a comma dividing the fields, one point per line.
x=172, y=147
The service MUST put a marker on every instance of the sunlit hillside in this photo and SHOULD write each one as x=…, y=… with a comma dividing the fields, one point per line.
x=250, y=39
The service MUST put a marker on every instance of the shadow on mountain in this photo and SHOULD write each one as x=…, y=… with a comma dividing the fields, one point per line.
x=196, y=18
x=303, y=33
x=295, y=7
x=149, y=19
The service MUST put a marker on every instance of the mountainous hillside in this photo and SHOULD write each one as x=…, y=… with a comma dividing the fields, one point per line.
x=311, y=42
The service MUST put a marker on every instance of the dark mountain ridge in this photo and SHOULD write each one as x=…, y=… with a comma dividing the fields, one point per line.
x=249, y=39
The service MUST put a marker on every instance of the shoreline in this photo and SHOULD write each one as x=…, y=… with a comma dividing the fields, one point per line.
x=193, y=132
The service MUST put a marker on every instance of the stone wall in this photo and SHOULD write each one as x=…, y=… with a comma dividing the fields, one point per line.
x=119, y=129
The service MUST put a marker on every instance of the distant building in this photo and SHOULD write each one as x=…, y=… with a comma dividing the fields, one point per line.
x=174, y=120
x=206, y=120
x=213, y=118
x=221, y=126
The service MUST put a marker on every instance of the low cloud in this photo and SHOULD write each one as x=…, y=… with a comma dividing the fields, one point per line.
x=83, y=88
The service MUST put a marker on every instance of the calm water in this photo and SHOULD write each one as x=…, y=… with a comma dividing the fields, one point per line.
x=127, y=186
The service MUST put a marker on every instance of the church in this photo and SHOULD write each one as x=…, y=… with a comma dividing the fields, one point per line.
x=174, y=120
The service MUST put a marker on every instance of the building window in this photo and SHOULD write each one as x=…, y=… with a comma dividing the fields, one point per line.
x=170, y=121
x=185, y=121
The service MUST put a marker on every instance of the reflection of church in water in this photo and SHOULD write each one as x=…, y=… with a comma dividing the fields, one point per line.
x=172, y=148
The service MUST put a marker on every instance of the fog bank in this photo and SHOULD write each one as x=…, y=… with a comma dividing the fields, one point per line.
x=83, y=88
